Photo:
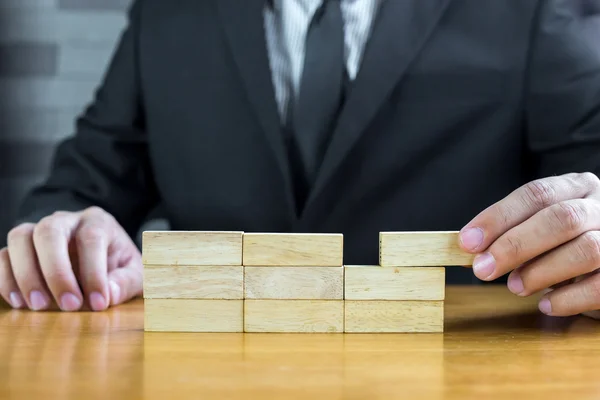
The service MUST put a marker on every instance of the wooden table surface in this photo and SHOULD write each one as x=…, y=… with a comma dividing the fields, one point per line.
x=496, y=346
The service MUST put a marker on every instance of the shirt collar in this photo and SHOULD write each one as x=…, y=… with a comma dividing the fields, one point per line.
x=274, y=5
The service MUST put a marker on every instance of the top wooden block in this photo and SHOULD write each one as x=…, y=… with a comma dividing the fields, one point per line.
x=298, y=249
x=420, y=249
x=220, y=248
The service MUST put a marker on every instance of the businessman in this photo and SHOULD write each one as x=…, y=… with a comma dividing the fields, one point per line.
x=349, y=116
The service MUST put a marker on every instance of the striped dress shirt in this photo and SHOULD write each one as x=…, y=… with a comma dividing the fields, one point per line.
x=286, y=25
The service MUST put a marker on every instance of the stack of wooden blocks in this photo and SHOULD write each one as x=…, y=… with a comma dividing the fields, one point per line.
x=198, y=281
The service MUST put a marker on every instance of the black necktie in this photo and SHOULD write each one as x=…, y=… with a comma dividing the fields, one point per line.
x=321, y=87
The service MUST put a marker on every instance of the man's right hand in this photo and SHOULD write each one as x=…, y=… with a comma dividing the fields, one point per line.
x=72, y=260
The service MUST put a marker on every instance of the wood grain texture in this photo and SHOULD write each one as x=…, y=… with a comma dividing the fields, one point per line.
x=194, y=282
x=394, y=283
x=192, y=248
x=301, y=249
x=294, y=316
x=495, y=346
x=186, y=315
x=294, y=283
x=393, y=316
x=413, y=249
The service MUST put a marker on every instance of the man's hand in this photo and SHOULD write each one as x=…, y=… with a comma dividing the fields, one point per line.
x=70, y=259
x=546, y=234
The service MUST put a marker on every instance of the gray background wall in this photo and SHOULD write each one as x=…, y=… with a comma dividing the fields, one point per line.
x=52, y=56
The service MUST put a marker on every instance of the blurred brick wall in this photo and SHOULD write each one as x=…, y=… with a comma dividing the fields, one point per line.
x=52, y=56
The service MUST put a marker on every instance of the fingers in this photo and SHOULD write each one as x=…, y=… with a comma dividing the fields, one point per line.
x=9, y=289
x=545, y=231
x=51, y=239
x=558, y=268
x=26, y=269
x=66, y=258
x=93, y=237
x=126, y=282
x=522, y=204
x=580, y=297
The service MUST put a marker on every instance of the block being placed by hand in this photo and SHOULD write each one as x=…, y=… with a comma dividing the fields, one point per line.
x=381, y=316
x=300, y=249
x=294, y=316
x=394, y=283
x=422, y=249
x=294, y=283
x=221, y=248
x=190, y=315
x=194, y=282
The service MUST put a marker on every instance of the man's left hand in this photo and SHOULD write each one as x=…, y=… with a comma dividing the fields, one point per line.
x=546, y=234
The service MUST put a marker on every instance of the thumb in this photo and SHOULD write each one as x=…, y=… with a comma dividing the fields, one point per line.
x=125, y=283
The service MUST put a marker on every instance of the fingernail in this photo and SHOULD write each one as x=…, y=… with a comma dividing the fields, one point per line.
x=69, y=302
x=545, y=306
x=471, y=238
x=97, y=301
x=38, y=300
x=515, y=283
x=115, y=292
x=484, y=265
x=16, y=300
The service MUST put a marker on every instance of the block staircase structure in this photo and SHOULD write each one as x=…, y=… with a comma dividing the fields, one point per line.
x=212, y=281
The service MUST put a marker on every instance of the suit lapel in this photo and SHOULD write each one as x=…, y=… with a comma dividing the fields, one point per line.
x=243, y=23
x=399, y=32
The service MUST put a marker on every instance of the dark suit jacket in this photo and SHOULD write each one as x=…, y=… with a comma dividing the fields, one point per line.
x=458, y=102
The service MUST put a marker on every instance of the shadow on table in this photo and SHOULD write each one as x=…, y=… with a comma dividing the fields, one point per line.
x=533, y=322
x=525, y=321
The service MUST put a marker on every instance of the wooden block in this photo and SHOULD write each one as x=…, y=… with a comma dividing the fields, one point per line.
x=277, y=316
x=301, y=249
x=294, y=283
x=194, y=282
x=403, y=249
x=393, y=316
x=187, y=315
x=394, y=283
x=192, y=248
